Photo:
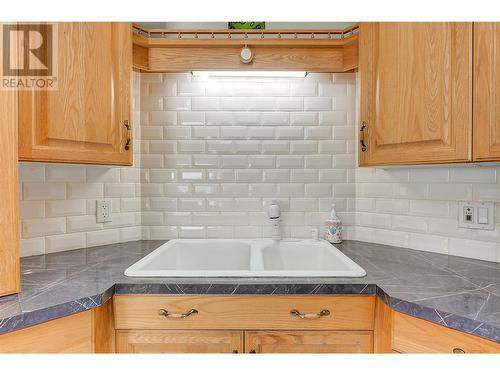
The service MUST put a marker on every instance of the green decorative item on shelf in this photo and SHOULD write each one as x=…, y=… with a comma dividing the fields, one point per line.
x=247, y=25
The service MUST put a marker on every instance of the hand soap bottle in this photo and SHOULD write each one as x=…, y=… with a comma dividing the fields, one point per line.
x=333, y=230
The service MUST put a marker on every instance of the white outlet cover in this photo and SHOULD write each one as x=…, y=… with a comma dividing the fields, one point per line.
x=490, y=206
x=103, y=211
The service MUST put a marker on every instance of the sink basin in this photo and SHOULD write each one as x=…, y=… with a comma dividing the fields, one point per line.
x=194, y=258
x=245, y=258
x=308, y=258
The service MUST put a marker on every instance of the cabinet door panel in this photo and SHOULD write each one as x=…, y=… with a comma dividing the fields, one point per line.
x=83, y=120
x=416, y=92
x=70, y=334
x=171, y=341
x=309, y=341
x=414, y=335
x=486, y=91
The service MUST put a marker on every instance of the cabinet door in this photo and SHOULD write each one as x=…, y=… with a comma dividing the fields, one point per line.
x=85, y=120
x=414, y=335
x=173, y=341
x=9, y=188
x=486, y=96
x=308, y=342
x=71, y=334
x=416, y=92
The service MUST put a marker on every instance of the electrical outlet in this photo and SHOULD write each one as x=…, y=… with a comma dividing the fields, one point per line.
x=476, y=215
x=103, y=210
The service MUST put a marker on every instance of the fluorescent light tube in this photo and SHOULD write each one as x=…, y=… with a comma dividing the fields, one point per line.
x=249, y=73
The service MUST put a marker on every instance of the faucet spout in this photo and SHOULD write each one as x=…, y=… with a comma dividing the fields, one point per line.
x=274, y=214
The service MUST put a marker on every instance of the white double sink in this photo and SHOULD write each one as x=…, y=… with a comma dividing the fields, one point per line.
x=245, y=258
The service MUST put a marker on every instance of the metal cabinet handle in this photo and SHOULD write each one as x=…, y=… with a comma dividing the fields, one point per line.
x=362, y=136
x=168, y=314
x=129, y=135
x=458, y=351
x=298, y=314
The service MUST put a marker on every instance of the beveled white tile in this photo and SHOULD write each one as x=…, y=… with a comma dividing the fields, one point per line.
x=177, y=104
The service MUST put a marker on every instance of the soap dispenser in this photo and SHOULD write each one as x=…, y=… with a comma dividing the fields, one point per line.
x=333, y=230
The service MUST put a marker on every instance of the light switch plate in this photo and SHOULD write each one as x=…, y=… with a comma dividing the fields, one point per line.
x=476, y=215
x=103, y=211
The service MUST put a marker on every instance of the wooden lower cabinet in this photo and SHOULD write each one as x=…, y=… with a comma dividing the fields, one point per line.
x=179, y=341
x=71, y=334
x=414, y=335
x=308, y=342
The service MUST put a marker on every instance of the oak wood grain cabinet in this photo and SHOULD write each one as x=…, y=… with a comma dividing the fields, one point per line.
x=486, y=91
x=183, y=341
x=71, y=334
x=9, y=190
x=90, y=331
x=87, y=119
x=308, y=342
x=416, y=93
x=414, y=335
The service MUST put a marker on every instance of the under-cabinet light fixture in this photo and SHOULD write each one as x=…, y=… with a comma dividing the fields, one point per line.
x=249, y=73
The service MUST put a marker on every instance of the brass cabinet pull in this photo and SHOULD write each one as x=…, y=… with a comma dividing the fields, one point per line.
x=298, y=314
x=168, y=314
x=458, y=351
x=129, y=135
x=362, y=136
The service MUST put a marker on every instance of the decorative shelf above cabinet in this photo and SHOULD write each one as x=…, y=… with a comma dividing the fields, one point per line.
x=169, y=50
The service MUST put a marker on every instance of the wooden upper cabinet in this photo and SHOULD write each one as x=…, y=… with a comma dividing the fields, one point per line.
x=87, y=119
x=416, y=92
x=486, y=96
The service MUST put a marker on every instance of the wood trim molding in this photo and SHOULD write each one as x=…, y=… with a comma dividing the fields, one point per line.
x=166, y=50
x=9, y=191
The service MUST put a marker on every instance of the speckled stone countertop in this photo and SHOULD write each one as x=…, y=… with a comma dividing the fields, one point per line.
x=455, y=292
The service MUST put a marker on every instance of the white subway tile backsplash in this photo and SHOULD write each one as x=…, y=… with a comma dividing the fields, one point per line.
x=177, y=104
x=304, y=118
x=289, y=161
x=273, y=119
x=161, y=118
x=103, y=237
x=82, y=223
x=64, y=173
x=211, y=154
x=31, y=209
x=289, y=132
x=42, y=191
x=261, y=161
x=64, y=242
x=186, y=118
x=59, y=208
x=29, y=172
x=42, y=227
x=320, y=103
x=31, y=246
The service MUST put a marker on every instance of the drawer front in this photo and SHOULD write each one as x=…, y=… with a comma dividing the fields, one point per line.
x=413, y=335
x=244, y=312
x=309, y=342
x=165, y=341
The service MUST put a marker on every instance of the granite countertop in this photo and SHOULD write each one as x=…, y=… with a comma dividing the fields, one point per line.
x=456, y=292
